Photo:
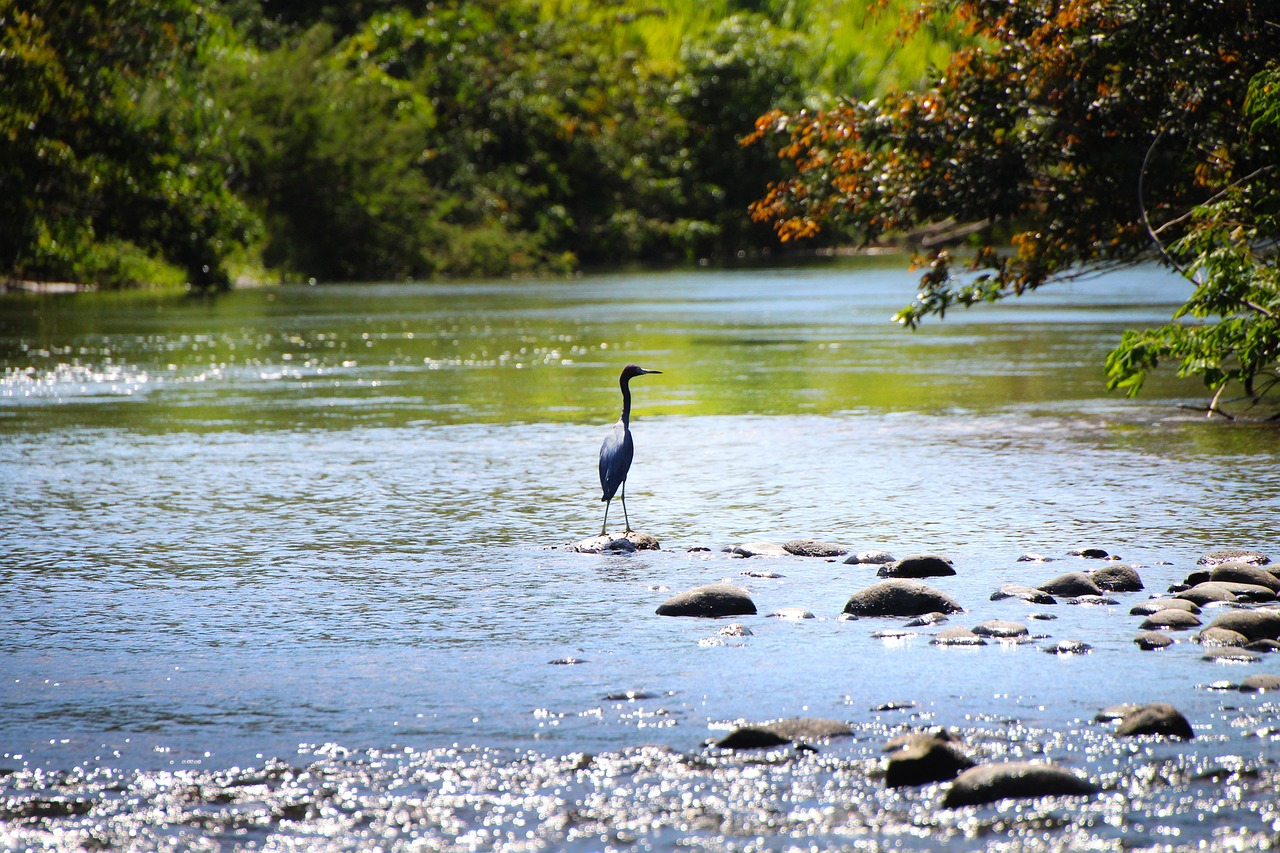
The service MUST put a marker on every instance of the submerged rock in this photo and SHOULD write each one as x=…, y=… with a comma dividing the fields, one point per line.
x=957, y=635
x=1221, y=637
x=1260, y=683
x=1068, y=647
x=1090, y=553
x=1159, y=718
x=789, y=730
x=1152, y=640
x=1258, y=624
x=1229, y=654
x=814, y=548
x=1001, y=629
x=1155, y=605
x=1015, y=780
x=928, y=619
x=1233, y=555
x=710, y=601
x=792, y=613
x=1024, y=593
x=870, y=558
x=918, y=566
x=758, y=549
x=632, y=540
x=1245, y=573
x=900, y=597
x=1117, y=579
x=1072, y=583
x=1171, y=620
x=924, y=757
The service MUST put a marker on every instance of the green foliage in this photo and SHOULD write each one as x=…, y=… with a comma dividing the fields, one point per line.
x=101, y=140
x=1076, y=131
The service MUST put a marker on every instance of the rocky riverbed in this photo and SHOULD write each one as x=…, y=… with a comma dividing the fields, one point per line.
x=907, y=774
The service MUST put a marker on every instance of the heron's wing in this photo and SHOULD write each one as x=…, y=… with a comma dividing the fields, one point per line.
x=615, y=459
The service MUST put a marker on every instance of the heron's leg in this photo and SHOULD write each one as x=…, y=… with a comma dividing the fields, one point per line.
x=606, y=516
x=624, y=507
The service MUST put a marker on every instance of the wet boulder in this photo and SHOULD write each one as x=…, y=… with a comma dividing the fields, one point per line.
x=900, y=597
x=792, y=613
x=928, y=619
x=1072, y=583
x=1068, y=647
x=1171, y=620
x=1155, y=605
x=1233, y=555
x=789, y=730
x=1015, y=780
x=1159, y=719
x=1116, y=579
x=814, y=548
x=1257, y=624
x=1207, y=593
x=1230, y=654
x=924, y=757
x=1089, y=553
x=918, y=566
x=605, y=544
x=1025, y=593
x=870, y=558
x=957, y=635
x=710, y=601
x=1221, y=637
x=1260, y=683
x=1001, y=629
x=758, y=549
x=1245, y=573
x=1152, y=640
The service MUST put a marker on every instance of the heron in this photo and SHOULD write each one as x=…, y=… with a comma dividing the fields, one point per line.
x=618, y=449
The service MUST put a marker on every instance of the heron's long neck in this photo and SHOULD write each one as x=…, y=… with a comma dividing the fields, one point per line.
x=626, y=403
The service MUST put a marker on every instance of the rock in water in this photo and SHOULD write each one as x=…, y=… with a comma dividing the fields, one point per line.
x=1117, y=579
x=1260, y=624
x=1245, y=573
x=789, y=730
x=1233, y=555
x=1171, y=620
x=1025, y=593
x=1072, y=583
x=918, y=566
x=870, y=558
x=814, y=548
x=925, y=758
x=1015, y=780
x=1158, y=718
x=1152, y=640
x=710, y=601
x=900, y=597
x=758, y=549
x=1001, y=629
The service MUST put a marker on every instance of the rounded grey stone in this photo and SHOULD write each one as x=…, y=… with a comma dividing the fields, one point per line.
x=1001, y=629
x=758, y=549
x=1233, y=555
x=1256, y=624
x=1245, y=573
x=710, y=601
x=1260, y=683
x=1155, y=605
x=1151, y=640
x=1228, y=654
x=873, y=558
x=1221, y=637
x=1117, y=579
x=1207, y=592
x=957, y=635
x=1171, y=620
x=925, y=758
x=1072, y=583
x=1024, y=593
x=814, y=548
x=1068, y=647
x=1159, y=718
x=918, y=566
x=900, y=597
x=1015, y=780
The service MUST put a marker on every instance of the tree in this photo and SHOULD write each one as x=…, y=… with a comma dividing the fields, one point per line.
x=106, y=141
x=1074, y=137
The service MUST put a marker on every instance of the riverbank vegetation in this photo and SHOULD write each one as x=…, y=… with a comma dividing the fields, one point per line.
x=1070, y=139
x=178, y=139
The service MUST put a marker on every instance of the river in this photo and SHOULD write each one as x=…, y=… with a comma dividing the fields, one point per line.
x=309, y=543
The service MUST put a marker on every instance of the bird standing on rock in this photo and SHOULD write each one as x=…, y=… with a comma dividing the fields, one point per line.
x=618, y=449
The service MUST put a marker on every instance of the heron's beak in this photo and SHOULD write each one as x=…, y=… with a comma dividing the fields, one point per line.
x=643, y=371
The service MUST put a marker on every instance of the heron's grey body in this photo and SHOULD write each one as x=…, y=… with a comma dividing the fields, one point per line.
x=618, y=449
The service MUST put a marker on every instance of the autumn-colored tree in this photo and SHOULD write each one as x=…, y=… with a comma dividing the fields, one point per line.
x=1075, y=136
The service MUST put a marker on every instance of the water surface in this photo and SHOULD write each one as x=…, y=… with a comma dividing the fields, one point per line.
x=323, y=525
